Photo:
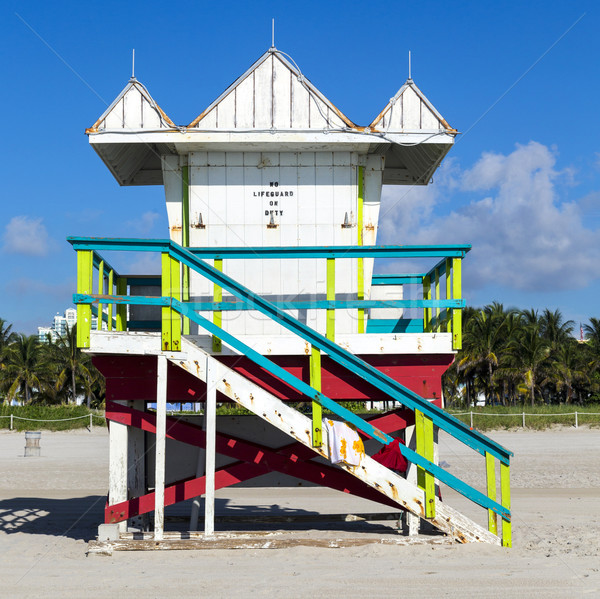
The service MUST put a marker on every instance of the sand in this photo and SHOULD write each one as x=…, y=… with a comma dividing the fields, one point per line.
x=50, y=508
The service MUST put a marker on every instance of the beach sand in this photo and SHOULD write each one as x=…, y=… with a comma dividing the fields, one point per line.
x=50, y=508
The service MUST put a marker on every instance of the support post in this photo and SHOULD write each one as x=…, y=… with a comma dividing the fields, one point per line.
x=360, y=264
x=490, y=469
x=456, y=312
x=110, y=308
x=315, y=383
x=425, y=447
x=117, y=471
x=160, y=447
x=185, y=239
x=121, y=308
x=330, y=298
x=411, y=521
x=505, y=501
x=217, y=344
x=448, y=293
x=100, y=292
x=211, y=437
x=85, y=271
x=427, y=311
x=171, y=321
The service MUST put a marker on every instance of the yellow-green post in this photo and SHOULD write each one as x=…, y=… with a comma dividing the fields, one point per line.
x=330, y=331
x=315, y=383
x=217, y=344
x=111, y=275
x=448, y=293
x=427, y=311
x=437, y=296
x=456, y=312
x=121, y=308
x=85, y=271
x=100, y=292
x=185, y=239
x=171, y=321
x=361, y=266
x=490, y=469
x=505, y=501
x=425, y=480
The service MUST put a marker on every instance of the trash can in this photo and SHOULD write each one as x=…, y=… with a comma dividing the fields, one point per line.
x=32, y=443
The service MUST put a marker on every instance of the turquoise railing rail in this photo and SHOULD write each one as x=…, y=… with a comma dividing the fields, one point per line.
x=427, y=415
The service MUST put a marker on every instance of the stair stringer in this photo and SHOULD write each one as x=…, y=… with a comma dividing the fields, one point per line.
x=298, y=426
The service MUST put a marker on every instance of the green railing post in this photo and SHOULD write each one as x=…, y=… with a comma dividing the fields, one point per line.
x=438, y=326
x=100, y=292
x=330, y=330
x=360, y=264
x=217, y=344
x=315, y=383
x=171, y=320
x=85, y=272
x=426, y=311
x=109, y=311
x=424, y=446
x=185, y=239
x=505, y=501
x=121, y=308
x=448, y=293
x=456, y=312
x=490, y=469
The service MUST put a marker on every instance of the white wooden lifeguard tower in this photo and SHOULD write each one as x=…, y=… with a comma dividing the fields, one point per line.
x=267, y=296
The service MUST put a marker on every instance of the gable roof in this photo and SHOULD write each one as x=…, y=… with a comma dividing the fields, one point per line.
x=272, y=95
x=410, y=110
x=134, y=108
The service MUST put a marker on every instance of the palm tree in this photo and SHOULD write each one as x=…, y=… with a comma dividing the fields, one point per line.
x=568, y=368
x=24, y=366
x=6, y=337
x=554, y=329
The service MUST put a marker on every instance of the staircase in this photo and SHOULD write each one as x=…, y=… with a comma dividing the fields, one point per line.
x=181, y=350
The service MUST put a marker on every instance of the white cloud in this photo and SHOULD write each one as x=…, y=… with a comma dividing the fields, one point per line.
x=524, y=237
x=144, y=224
x=28, y=236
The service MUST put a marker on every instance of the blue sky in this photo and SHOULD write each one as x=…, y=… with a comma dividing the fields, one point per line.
x=520, y=80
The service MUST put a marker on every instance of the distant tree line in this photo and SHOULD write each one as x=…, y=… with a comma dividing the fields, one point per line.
x=46, y=373
x=511, y=357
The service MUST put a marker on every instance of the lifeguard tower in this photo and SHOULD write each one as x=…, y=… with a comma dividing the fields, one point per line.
x=267, y=298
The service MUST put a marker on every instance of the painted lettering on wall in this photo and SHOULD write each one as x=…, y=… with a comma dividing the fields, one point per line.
x=273, y=207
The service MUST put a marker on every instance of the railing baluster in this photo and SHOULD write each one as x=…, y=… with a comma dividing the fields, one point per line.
x=171, y=320
x=456, y=312
x=448, y=294
x=425, y=448
x=109, y=311
x=490, y=469
x=315, y=383
x=121, y=308
x=85, y=272
x=100, y=292
x=217, y=344
x=185, y=239
x=330, y=330
x=426, y=311
x=505, y=502
x=438, y=326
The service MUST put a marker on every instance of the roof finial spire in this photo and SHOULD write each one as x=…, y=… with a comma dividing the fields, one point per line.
x=409, y=67
x=272, y=33
x=133, y=63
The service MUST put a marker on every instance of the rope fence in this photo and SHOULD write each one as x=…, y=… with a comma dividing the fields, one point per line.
x=89, y=416
x=524, y=414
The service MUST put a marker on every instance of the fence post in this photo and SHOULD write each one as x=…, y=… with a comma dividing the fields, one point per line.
x=523, y=419
x=576, y=420
x=471, y=419
x=90, y=423
x=11, y=422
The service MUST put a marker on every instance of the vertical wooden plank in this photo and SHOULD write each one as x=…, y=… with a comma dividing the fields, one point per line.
x=111, y=275
x=85, y=269
x=211, y=436
x=456, y=312
x=425, y=447
x=100, y=292
x=427, y=311
x=160, y=446
x=361, y=268
x=490, y=470
x=167, y=324
x=175, y=274
x=118, y=465
x=121, y=308
x=448, y=293
x=217, y=314
x=331, y=297
x=315, y=383
x=505, y=500
x=185, y=238
x=411, y=521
